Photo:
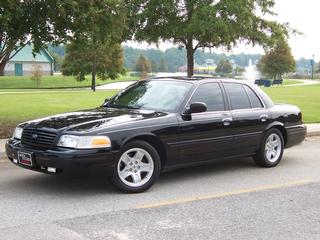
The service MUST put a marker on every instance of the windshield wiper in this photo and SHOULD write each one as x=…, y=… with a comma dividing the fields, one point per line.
x=121, y=106
x=132, y=107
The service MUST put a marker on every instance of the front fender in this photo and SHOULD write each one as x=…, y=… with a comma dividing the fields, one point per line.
x=138, y=136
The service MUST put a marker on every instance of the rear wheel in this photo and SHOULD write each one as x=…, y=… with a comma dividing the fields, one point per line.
x=271, y=149
x=138, y=167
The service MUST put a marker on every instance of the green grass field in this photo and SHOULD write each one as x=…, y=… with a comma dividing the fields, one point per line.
x=291, y=81
x=19, y=107
x=307, y=98
x=55, y=81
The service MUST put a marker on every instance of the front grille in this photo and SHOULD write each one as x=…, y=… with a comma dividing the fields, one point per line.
x=38, y=138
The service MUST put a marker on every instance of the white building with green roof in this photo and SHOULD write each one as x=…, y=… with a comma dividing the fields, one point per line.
x=23, y=63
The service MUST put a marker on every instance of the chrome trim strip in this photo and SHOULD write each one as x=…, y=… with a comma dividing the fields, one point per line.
x=214, y=138
x=247, y=134
x=201, y=140
x=295, y=126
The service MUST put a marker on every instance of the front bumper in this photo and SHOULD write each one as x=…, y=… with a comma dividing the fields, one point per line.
x=60, y=158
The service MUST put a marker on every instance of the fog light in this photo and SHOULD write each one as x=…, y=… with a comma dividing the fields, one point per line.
x=51, y=169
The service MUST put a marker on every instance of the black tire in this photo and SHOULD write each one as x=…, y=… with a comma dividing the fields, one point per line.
x=120, y=184
x=261, y=158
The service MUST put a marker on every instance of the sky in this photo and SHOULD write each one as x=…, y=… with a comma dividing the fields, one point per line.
x=301, y=15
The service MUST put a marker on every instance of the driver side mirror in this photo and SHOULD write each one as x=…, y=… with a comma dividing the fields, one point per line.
x=196, y=107
x=106, y=100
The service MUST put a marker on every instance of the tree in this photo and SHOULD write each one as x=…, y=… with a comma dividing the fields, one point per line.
x=203, y=24
x=100, y=28
x=143, y=66
x=239, y=70
x=224, y=67
x=36, y=73
x=36, y=22
x=175, y=57
x=154, y=67
x=277, y=60
x=58, y=61
x=163, y=66
x=318, y=68
x=80, y=59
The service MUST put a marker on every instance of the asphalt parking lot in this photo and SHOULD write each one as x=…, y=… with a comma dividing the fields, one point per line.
x=229, y=200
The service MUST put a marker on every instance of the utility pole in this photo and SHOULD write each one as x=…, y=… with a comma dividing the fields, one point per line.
x=312, y=66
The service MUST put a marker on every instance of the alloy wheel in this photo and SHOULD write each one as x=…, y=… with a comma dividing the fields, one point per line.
x=135, y=167
x=273, y=148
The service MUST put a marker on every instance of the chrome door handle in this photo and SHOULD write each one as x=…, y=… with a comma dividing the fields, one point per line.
x=226, y=121
x=264, y=118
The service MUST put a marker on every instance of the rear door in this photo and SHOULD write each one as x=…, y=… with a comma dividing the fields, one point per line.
x=250, y=117
x=206, y=136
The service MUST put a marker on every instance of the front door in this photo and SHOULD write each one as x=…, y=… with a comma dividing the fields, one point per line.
x=18, y=71
x=206, y=136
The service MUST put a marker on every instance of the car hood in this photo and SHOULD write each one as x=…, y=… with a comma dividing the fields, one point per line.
x=92, y=119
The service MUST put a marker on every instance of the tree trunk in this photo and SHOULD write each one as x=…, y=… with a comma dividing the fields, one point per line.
x=2, y=65
x=190, y=59
x=93, y=79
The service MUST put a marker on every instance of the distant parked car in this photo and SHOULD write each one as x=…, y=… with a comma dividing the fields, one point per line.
x=160, y=124
x=277, y=82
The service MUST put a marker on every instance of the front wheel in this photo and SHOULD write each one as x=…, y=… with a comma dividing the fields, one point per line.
x=138, y=167
x=271, y=149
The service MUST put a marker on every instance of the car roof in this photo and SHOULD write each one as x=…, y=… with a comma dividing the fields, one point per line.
x=198, y=79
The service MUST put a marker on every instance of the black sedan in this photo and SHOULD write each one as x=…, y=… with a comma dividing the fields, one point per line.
x=161, y=124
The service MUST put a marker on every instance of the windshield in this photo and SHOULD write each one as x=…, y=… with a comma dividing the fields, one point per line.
x=164, y=96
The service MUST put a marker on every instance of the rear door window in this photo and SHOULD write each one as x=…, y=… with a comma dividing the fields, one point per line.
x=238, y=96
x=254, y=99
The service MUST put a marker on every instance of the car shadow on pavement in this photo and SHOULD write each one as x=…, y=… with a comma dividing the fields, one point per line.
x=218, y=168
x=72, y=183
x=96, y=182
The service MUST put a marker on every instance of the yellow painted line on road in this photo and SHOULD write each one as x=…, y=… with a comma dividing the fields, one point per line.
x=226, y=194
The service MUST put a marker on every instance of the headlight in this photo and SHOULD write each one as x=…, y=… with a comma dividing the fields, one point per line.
x=84, y=142
x=18, y=133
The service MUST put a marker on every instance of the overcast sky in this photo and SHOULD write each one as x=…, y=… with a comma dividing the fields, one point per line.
x=303, y=15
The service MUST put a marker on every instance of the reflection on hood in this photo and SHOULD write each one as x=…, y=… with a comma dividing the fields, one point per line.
x=93, y=118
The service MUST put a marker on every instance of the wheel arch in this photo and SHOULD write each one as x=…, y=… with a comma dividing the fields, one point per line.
x=154, y=141
x=281, y=128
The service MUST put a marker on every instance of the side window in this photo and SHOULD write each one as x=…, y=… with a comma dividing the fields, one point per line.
x=238, y=96
x=255, y=101
x=211, y=95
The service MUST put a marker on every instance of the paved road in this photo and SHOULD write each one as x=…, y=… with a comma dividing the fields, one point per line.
x=303, y=83
x=230, y=200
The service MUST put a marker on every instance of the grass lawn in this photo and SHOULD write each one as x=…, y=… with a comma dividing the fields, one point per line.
x=20, y=107
x=55, y=81
x=291, y=81
x=307, y=98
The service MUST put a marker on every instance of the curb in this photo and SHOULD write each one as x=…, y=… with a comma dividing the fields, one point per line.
x=313, y=134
